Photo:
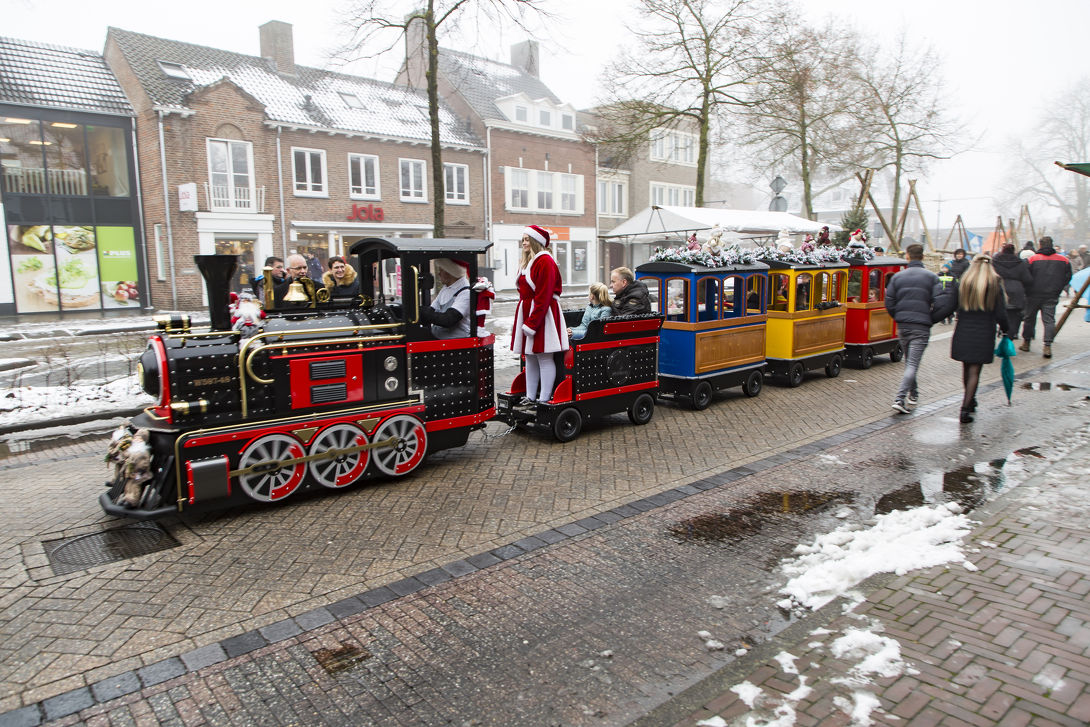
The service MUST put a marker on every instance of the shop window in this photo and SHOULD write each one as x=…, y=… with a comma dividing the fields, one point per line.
x=579, y=262
x=244, y=248
x=22, y=157
x=677, y=299
x=778, y=292
x=875, y=290
x=413, y=187
x=109, y=161
x=65, y=158
x=707, y=299
x=755, y=294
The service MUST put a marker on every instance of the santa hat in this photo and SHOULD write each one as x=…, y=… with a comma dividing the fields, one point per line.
x=455, y=268
x=538, y=233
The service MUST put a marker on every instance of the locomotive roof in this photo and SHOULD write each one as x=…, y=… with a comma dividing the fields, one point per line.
x=663, y=266
x=876, y=261
x=788, y=265
x=427, y=245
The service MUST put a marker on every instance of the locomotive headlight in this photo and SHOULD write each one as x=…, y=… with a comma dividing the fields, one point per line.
x=391, y=383
x=151, y=375
x=390, y=364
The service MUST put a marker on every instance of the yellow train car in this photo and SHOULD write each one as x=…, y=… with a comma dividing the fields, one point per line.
x=806, y=318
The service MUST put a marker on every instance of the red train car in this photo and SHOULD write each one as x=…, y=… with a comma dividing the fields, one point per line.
x=870, y=329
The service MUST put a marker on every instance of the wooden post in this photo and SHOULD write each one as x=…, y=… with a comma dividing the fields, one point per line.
x=1072, y=306
x=877, y=211
x=919, y=210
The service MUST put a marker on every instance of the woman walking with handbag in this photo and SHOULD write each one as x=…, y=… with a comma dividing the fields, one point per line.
x=982, y=307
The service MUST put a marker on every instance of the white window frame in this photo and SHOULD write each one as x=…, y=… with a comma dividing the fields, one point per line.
x=569, y=193
x=543, y=191
x=414, y=195
x=670, y=146
x=235, y=201
x=518, y=181
x=545, y=118
x=310, y=191
x=171, y=69
x=522, y=113
x=460, y=193
x=362, y=192
x=672, y=195
x=351, y=100
x=567, y=122
x=612, y=197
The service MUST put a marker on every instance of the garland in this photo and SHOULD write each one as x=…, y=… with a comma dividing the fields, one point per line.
x=723, y=257
x=734, y=255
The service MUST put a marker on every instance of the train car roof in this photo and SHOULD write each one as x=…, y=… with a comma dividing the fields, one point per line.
x=427, y=245
x=787, y=265
x=876, y=261
x=663, y=266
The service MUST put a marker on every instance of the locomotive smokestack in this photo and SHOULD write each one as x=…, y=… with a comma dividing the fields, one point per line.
x=217, y=271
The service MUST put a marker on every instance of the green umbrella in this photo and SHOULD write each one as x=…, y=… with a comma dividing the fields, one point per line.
x=1005, y=351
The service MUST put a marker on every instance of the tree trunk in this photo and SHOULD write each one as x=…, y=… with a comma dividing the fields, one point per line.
x=702, y=150
x=432, y=75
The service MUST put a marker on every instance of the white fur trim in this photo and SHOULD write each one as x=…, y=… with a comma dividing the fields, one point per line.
x=535, y=234
x=527, y=330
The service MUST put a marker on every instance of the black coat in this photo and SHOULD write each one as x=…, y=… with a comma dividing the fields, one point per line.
x=974, y=334
x=915, y=295
x=633, y=300
x=1017, y=280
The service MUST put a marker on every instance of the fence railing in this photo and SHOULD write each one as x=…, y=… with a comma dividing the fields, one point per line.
x=35, y=180
x=223, y=198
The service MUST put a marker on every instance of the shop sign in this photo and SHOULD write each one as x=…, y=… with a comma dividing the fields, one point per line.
x=187, y=197
x=368, y=213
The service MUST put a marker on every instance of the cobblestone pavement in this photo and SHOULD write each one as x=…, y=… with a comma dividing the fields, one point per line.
x=514, y=581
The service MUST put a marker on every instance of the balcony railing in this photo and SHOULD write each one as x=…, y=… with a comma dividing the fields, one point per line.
x=35, y=180
x=222, y=198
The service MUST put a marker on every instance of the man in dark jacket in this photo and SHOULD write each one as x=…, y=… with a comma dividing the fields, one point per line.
x=1051, y=273
x=958, y=265
x=630, y=296
x=916, y=300
x=1017, y=282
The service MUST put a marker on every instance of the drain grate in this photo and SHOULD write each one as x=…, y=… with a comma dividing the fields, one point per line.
x=84, y=551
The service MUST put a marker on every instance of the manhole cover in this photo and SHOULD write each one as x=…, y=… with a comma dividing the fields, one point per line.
x=83, y=551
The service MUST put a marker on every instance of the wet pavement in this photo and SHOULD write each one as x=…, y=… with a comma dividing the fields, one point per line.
x=519, y=581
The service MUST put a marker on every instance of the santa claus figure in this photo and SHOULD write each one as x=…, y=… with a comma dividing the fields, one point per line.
x=246, y=313
x=136, y=469
x=857, y=241
x=808, y=243
x=783, y=242
x=714, y=245
x=823, y=236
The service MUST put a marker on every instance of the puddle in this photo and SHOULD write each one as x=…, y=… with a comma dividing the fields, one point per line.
x=342, y=657
x=748, y=519
x=969, y=486
x=1047, y=386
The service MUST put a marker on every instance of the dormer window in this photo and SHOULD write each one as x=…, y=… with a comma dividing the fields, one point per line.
x=174, y=70
x=545, y=118
x=351, y=100
x=522, y=113
x=567, y=122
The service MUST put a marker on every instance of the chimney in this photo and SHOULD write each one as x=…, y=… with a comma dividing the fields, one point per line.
x=277, y=46
x=416, y=51
x=525, y=55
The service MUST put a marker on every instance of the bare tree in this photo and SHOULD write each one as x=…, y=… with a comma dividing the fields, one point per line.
x=903, y=114
x=377, y=26
x=803, y=95
x=691, y=60
x=1062, y=134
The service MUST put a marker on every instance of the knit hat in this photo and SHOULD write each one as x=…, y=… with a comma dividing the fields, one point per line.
x=538, y=233
x=455, y=268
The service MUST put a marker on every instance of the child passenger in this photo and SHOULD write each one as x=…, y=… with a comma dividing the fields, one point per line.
x=598, y=308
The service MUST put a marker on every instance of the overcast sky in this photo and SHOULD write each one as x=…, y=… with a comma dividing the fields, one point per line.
x=1003, y=59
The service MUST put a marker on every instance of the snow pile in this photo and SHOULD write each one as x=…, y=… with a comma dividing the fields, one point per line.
x=30, y=405
x=898, y=542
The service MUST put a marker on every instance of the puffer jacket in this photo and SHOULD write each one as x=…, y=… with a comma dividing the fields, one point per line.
x=1017, y=280
x=592, y=313
x=957, y=267
x=635, y=299
x=349, y=286
x=1051, y=273
x=915, y=295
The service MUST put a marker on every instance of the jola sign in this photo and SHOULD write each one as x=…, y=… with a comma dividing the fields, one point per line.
x=370, y=213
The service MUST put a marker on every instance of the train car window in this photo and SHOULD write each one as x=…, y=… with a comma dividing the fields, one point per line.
x=732, y=287
x=654, y=291
x=823, y=291
x=837, y=292
x=778, y=291
x=756, y=293
x=707, y=299
x=855, y=285
x=803, y=289
x=875, y=289
x=677, y=299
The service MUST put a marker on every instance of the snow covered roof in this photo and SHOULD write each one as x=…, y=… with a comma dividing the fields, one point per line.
x=482, y=81
x=665, y=220
x=310, y=97
x=52, y=76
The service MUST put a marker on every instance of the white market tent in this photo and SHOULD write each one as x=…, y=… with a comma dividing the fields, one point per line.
x=661, y=221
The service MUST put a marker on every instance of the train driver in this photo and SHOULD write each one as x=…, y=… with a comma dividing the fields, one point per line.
x=449, y=312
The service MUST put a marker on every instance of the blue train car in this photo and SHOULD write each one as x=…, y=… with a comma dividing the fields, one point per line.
x=713, y=336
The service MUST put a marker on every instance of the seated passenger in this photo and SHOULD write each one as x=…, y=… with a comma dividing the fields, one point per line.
x=449, y=312
x=341, y=280
x=598, y=308
x=630, y=296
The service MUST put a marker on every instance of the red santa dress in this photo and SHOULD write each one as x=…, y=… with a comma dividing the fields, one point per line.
x=539, y=324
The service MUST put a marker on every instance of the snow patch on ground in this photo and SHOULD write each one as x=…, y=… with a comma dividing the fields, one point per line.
x=30, y=405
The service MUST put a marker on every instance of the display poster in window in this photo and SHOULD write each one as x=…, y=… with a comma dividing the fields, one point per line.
x=117, y=265
x=579, y=259
x=74, y=250
x=31, y=249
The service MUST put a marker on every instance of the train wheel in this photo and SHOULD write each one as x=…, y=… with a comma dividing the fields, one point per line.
x=642, y=409
x=272, y=482
x=753, y=384
x=409, y=450
x=343, y=469
x=832, y=369
x=702, y=396
x=568, y=424
x=795, y=375
x=897, y=353
x=866, y=357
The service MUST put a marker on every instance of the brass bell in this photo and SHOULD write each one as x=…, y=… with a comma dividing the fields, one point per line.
x=296, y=293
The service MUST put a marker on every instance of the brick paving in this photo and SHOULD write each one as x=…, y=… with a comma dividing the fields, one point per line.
x=436, y=577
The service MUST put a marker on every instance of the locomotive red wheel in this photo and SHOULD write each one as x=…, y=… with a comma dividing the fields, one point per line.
x=409, y=450
x=344, y=469
x=271, y=483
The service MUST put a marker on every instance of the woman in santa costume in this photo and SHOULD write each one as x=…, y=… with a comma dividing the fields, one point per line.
x=539, y=329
